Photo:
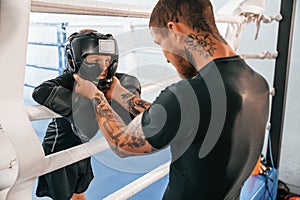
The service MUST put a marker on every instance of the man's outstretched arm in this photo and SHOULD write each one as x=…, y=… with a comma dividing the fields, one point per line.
x=124, y=140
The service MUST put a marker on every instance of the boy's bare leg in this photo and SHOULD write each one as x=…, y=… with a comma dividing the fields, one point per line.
x=78, y=197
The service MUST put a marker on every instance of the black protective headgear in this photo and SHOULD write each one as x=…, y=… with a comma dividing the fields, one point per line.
x=79, y=45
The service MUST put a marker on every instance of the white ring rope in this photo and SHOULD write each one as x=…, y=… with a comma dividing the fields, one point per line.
x=39, y=112
x=74, y=154
x=140, y=183
x=264, y=55
x=90, y=7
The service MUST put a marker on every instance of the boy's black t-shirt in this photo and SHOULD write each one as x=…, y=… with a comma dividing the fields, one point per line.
x=215, y=124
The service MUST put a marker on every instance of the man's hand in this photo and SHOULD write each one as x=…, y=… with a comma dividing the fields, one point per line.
x=85, y=88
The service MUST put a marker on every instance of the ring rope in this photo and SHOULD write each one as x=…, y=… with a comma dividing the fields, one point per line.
x=140, y=183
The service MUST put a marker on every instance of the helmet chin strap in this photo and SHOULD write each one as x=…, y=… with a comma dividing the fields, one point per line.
x=104, y=84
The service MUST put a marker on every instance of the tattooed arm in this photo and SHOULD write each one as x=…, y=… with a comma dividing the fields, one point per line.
x=129, y=101
x=124, y=140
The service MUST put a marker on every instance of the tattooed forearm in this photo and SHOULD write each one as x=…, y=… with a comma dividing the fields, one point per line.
x=108, y=128
x=134, y=104
x=124, y=140
x=135, y=139
x=108, y=114
x=127, y=95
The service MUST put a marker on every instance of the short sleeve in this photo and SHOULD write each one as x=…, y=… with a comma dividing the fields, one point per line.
x=161, y=121
x=174, y=117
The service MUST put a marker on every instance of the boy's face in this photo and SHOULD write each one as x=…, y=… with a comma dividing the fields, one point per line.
x=102, y=60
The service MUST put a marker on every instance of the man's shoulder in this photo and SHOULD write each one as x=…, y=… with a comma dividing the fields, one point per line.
x=185, y=87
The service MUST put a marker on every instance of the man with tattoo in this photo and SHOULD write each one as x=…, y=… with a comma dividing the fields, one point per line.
x=214, y=119
x=78, y=124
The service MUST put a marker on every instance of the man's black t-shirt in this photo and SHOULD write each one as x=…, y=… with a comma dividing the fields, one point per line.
x=215, y=124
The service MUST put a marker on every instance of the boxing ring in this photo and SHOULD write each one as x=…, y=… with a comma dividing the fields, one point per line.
x=22, y=157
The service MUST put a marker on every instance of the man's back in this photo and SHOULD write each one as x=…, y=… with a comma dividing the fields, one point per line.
x=234, y=146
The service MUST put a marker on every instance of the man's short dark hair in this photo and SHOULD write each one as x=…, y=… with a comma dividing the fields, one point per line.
x=197, y=14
